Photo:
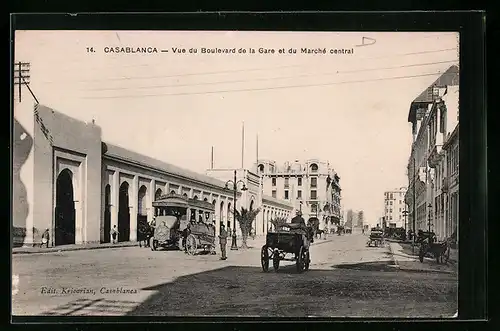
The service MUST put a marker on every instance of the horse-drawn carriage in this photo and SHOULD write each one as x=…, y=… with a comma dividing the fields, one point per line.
x=432, y=248
x=376, y=237
x=171, y=223
x=290, y=239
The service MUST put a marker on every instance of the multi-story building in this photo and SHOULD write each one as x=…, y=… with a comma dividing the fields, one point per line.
x=434, y=157
x=394, y=208
x=312, y=187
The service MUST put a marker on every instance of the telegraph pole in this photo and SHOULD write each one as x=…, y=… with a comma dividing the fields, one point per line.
x=21, y=76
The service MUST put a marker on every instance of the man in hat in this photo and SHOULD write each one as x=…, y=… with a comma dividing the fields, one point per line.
x=298, y=219
x=223, y=241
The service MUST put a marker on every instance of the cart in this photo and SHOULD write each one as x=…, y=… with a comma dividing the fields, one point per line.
x=173, y=215
x=167, y=232
x=438, y=250
x=282, y=243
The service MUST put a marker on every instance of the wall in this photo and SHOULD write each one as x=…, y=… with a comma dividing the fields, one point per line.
x=71, y=137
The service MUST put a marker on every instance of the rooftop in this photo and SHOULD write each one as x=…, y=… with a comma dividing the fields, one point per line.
x=449, y=77
x=128, y=155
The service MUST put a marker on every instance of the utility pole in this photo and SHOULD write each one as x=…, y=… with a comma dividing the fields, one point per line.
x=21, y=76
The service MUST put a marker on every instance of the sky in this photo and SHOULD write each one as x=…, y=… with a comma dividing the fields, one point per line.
x=349, y=109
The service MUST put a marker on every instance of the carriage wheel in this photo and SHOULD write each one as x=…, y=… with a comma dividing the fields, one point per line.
x=276, y=261
x=307, y=260
x=301, y=259
x=264, y=258
x=191, y=245
x=153, y=243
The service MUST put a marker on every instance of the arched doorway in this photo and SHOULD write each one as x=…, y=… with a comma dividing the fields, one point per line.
x=142, y=213
x=123, y=213
x=221, y=213
x=107, y=214
x=229, y=214
x=65, y=209
x=158, y=194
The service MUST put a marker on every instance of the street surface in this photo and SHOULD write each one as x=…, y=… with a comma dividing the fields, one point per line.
x=346, y=278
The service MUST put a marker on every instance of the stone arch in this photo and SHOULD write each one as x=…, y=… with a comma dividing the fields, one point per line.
x=229, y=216
x=124, y=212
x=107, y=214
x=185, y=195
x=221, y=213
x=142, y=200
x=195, y=197
x=65, y=214
x=173, y=192
x=313, y=167
x=158, y=193
x=261, y=168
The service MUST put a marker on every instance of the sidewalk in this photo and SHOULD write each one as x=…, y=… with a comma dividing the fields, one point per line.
x=405, y=260
x=256, y=243
x=75, y=247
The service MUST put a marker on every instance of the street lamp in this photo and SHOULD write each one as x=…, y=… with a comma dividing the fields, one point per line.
x=235, y=183
x=430, y=213
x=405, y=214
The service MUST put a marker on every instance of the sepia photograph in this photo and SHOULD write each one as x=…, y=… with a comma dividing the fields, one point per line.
x=235, y=174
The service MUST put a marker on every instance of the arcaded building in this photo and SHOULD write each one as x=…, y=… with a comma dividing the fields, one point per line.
x=67, y=180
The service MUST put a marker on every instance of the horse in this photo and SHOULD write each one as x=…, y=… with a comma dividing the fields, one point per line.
x=145, y=232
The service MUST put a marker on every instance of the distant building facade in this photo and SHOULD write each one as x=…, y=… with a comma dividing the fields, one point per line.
x=432, y=195
x=312, y=187
x=394, y=208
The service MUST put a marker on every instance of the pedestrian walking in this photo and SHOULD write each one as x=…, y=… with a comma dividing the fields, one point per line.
x=185, y=233
x=114, y=235
x=223, y=241
x=45, y=238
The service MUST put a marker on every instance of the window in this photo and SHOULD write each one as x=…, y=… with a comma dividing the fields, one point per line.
x=314, y=208
x=314, y=182
x=399, y=209
x=274, y=181
x=313, y=195
x=390, y=202
x=299, y=194
x=390, y=210
x=299, y=181
x=390, y=196
x=314, y=167
x=286, y=195
x=273, y=193
x=287, y=182
x=390, y=218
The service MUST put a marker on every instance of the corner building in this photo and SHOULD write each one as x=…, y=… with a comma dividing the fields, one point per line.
x=313, y=187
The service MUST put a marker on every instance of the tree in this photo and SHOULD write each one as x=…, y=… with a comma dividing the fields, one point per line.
x=361, y=218
x=278, y=223
x=245, y=218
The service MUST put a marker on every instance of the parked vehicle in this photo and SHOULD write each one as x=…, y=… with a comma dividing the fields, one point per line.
x=171, y=221
x=376, y=237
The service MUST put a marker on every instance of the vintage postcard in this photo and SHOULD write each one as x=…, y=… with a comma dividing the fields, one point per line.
x=233, y=173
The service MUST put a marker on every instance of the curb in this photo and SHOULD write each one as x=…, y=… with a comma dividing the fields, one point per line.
x=74, y=249
x=396, y=265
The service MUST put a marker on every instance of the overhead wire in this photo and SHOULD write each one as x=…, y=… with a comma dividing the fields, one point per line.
x=270, y=78
x=265, y=88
